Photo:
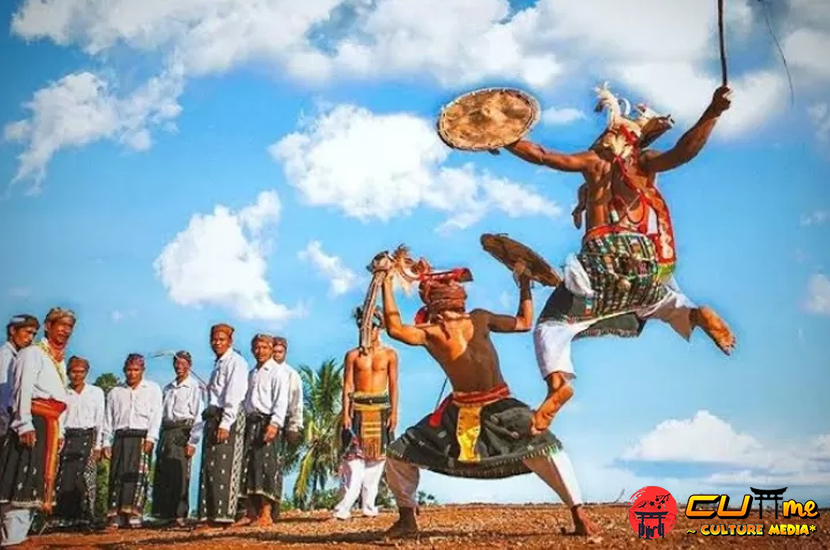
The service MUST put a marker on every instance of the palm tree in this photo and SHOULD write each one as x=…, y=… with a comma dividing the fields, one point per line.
x=320, y=455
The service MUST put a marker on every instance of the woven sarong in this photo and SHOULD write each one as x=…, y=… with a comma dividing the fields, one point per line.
x=482, y=435
x=625, y=276
x=261, y=470
x=369, y=435
x=220, y=474
x=129, y=469
x=171, y=478
x=76, y=488
x=27, y=474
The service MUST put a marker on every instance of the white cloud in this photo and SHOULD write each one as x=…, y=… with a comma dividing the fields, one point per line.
x=341, y=278
x=704, y=438
x=220, y=259
x=374, y=166
x=820, y=117
x=708, y=439
x=818, y=295
x=684, y=91
x=670, y=66
x=82, y=108
x=819, y=217
x=566, y=115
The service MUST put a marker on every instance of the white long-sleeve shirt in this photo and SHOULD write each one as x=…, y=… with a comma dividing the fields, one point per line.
x=8, y=353
x=136, y=408
x=294, y=423
x=228, y=386
x=268, y=389
x=36, y=376
x=86, y=410
x=184, y=401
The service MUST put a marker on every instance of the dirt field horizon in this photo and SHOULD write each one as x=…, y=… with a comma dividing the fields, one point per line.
x=468, y=526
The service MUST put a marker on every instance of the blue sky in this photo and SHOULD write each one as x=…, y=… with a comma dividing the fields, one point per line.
x=310, y=129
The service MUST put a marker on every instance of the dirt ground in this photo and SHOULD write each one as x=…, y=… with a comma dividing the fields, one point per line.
x=467, y=526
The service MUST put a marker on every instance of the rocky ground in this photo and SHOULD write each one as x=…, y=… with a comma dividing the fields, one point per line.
x=468, y=527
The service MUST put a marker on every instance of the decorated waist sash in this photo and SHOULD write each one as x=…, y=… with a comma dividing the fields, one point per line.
x=468, y=426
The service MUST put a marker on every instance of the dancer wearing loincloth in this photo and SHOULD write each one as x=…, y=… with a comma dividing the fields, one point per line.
x=265, y=407
x=623, y=275
x=370, y=412
x=480, y=431
x=131, y=430
x=76, y=487
x=30, y=455
x=224, y=432
x=181, y=431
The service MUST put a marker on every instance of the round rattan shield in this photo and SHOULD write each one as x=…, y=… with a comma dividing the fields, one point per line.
x=487, y=119
x=509, y=252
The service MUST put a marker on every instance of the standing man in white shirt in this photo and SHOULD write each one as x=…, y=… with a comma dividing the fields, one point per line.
x=181, y=431
x=29, y=459
x=265, y=407
x=224, y=432
x=294, y=419
x=131, y=429
x=292, y=435
x=81, y=449
x=20, y=332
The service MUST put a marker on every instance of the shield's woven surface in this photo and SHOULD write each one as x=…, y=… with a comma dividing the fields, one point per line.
x=487, y=119
x=509, y=252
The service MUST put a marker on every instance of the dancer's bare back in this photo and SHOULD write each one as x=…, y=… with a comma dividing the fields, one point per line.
x=460, y=342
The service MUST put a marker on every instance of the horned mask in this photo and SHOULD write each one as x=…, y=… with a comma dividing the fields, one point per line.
x=624, y=134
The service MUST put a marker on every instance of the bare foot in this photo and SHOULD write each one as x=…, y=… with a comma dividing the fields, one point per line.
x=263, y=521
x=583, y=526
x=405, y=526
x=244, y=522
x=715, y=327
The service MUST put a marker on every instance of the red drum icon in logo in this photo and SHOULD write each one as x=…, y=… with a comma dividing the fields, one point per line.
x=652, y=512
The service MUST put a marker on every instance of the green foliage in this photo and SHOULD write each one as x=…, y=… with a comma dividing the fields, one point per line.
x=425, y=499
x=325, y=499
x=102, y=476
x=106, y=382
x=385, y=498
x=319, y=457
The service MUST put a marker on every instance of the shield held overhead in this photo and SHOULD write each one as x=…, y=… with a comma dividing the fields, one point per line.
x=487, y=119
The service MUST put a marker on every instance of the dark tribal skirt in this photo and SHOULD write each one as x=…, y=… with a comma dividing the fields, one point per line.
x=129, y=469
x=76, y=477
x=27, y=474
x=625, y=275
x=475, y=435
x=220, y=475
x=369, y=435
x=171, y=480
x=261, y=471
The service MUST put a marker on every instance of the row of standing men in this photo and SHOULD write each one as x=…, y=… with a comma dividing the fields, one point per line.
x=53, y=432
